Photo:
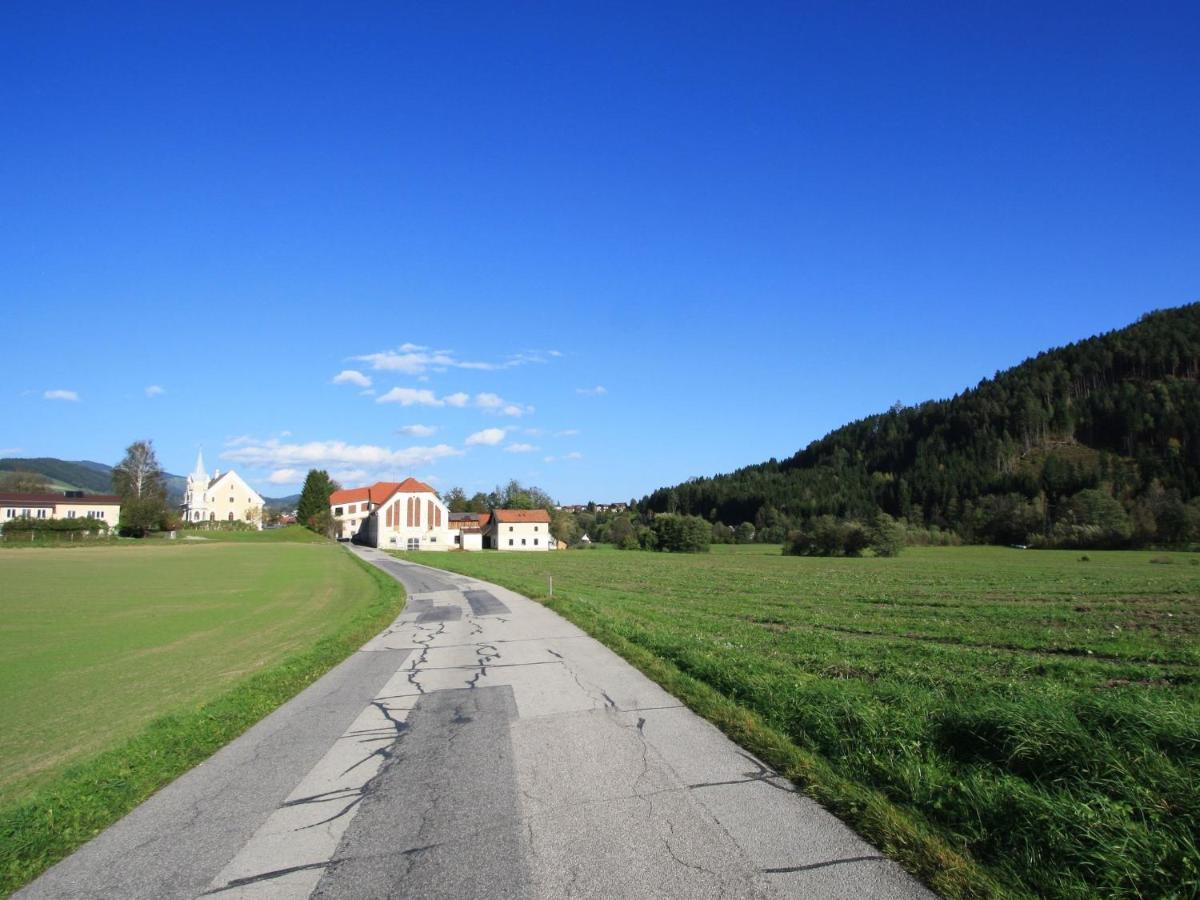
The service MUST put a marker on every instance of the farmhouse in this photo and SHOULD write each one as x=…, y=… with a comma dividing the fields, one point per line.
x=221, y=498
x=406, y=515
x=520, y=529
x=67, y=505
x=468, y=529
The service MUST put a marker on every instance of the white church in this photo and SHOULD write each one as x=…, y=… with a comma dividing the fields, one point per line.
x=224, y=497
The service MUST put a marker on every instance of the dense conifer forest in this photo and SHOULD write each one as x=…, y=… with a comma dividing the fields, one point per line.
x=1093, y=444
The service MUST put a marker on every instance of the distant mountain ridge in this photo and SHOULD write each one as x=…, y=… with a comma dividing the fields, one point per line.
x=96, y=478
x=1118, y=413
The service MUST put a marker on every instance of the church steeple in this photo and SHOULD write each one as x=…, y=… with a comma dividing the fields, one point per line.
x=200, y=474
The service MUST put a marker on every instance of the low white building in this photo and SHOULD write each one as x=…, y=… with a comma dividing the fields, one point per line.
x=225, y=497
x=468, y=528
x=520, y=529
x=68, y=505
x=406, y=515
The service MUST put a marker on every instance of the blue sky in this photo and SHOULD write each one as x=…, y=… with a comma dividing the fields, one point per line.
x=596, y=247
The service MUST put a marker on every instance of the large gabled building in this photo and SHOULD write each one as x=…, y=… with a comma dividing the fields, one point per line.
x=405, y=515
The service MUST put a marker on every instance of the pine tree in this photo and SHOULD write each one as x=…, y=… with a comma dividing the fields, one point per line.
x=313, y=508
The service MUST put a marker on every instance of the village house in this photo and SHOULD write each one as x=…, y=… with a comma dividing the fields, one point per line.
x=67, y=505
x=520, y=529
x=225, y=497
x=468, y=528
x=406, y=515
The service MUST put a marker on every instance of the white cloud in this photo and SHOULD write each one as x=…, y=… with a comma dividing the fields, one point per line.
x=460, y=399
x=417, y=359
x=488, y=437
x=597, y=391
x=331, y=453
x=520, y=448
x=352, y=376
x=60, y=394
x=411, y=397
x=347, y=477
x=155, y=390
x=417, y=430
x=568, y=432
x=489, y=401
x=285, y=476
x=516, y=409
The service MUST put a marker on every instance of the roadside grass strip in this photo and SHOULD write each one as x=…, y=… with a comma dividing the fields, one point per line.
x=88, y=797
x=1000, y=723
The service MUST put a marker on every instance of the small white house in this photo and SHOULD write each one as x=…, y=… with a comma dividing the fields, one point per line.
x=468, y=529
x=520, y=530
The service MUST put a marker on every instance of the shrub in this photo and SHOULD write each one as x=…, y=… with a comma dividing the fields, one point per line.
x=681, y=534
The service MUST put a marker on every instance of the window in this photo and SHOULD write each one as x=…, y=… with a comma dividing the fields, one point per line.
x=414, y=543
x=353, y=507
x=433, y=539
x=535, y=542
x=510, y=528
x=70, y=513
x=522, y=542
x=9, y=513
x=337, y=510
x=535, y=528
x=510, y=542
x=41, y=514
x=231, y=517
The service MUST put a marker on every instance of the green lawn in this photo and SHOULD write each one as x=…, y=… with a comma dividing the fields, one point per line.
x=123, y=666
x=1002, y=722
x=110, y=638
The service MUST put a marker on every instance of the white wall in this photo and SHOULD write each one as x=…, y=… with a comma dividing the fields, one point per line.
x=523, y=536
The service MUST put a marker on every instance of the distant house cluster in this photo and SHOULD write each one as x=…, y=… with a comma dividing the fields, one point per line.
x=409, y=515
x=224, y=497
x=67, y=505
x=594, y=507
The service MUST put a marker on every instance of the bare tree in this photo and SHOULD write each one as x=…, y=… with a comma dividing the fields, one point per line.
x=140, y=481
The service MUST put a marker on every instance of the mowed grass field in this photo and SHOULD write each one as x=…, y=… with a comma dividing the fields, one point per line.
x=122, y=666
x=1002, y=722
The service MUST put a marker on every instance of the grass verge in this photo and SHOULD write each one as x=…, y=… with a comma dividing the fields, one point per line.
x=89, y=796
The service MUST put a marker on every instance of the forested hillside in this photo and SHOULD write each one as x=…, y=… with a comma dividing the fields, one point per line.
x=1096, y=443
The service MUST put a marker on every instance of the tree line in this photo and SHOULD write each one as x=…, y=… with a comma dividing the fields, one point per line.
x=1096, y=444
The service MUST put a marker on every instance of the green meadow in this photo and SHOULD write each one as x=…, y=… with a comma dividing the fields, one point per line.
x=123, y=666
x=1003, y=722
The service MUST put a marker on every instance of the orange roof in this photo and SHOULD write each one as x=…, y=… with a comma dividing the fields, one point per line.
x=349, y=495
x=522, y=515
x=380, y=491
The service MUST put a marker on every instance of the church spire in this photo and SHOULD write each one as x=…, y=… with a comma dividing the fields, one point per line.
x=201, y=473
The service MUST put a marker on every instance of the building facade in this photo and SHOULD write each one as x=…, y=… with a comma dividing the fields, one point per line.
x=225, y=497
x=406, y=515
x=520, y=530
x=68, y=505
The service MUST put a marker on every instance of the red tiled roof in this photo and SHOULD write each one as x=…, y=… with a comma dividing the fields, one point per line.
x=379, y=492
x=349, y=495
x=522, y=515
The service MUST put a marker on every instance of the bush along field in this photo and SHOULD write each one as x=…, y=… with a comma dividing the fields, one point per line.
x=1002, y=722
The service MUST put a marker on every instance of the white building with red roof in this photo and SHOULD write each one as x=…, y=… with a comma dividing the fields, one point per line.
x=404, y=515
x=520, y=529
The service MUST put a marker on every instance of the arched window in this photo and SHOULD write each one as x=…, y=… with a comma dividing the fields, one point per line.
x=231, y=517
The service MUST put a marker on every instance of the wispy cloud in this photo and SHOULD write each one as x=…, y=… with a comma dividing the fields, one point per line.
x=520, y=448
x=494, y=403
x=417, y=430
x=285, y=476
x=406, y=396
x=332, y=453
x=417, y=359
x=570, y=457
x=567, y=432
x=155, y=390
x=60, y=394
x=352, y=376
x=458, y=399
x=597, y=391
x=488, y=437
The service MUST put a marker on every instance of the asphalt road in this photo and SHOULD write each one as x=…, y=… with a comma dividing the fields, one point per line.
x=480, y=747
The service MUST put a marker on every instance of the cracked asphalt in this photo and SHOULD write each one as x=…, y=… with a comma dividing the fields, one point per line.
x=481, y=746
